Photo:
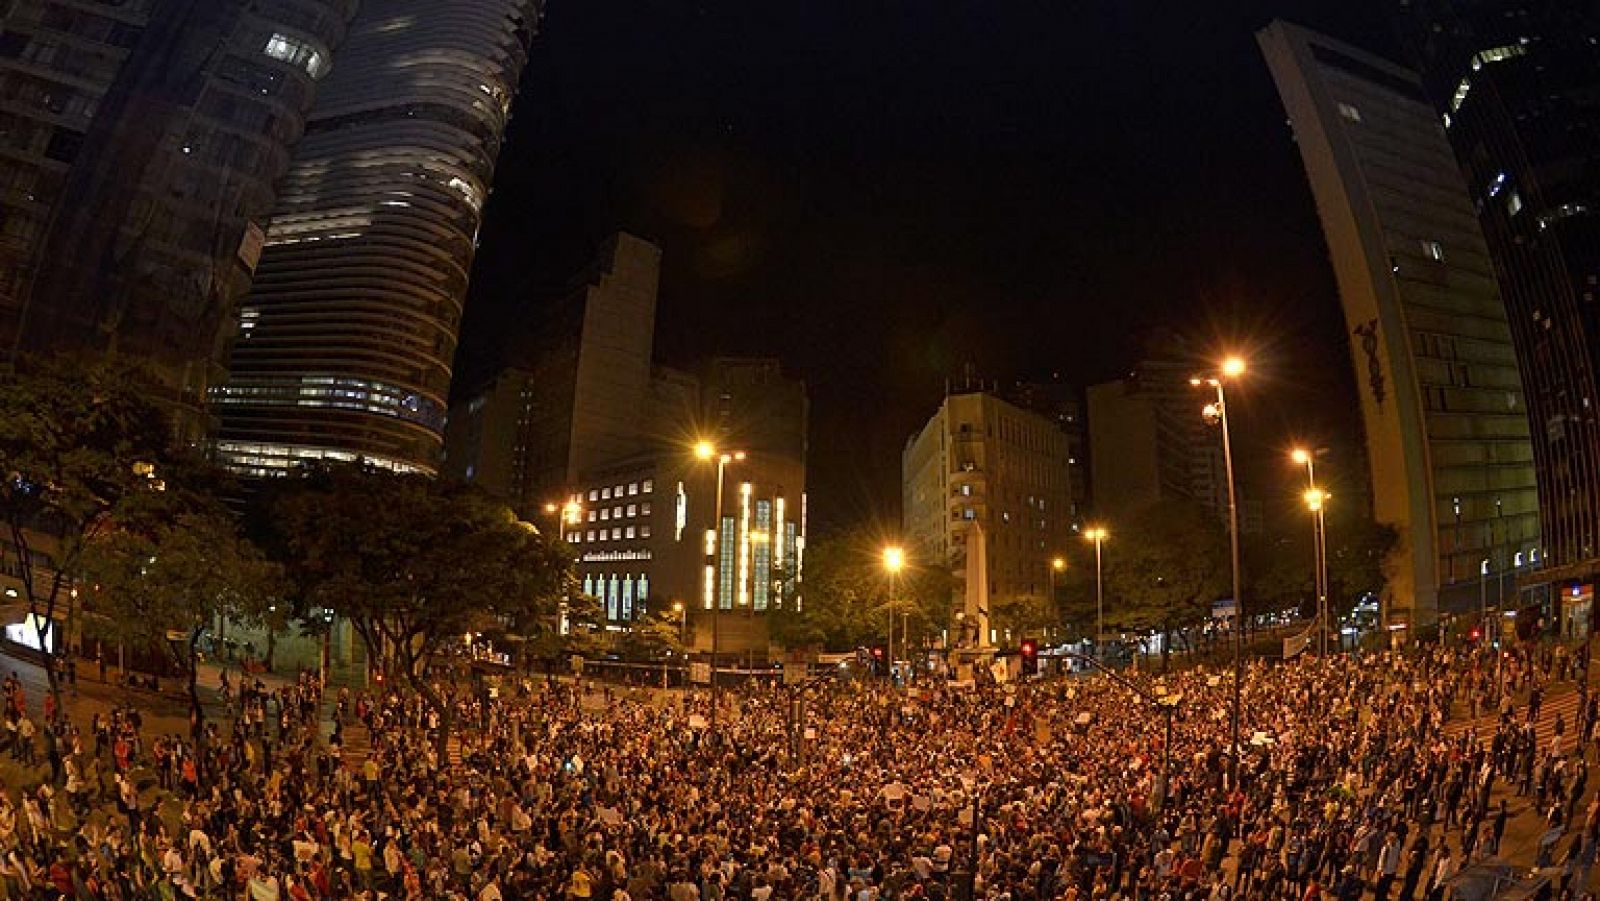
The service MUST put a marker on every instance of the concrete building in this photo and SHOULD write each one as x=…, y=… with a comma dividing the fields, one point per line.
x=1148, y=443
x=141, y=146
x=647, y=526
x=1514, y=86
x=1064, y=405
x=1446, y=427
x=346, y=341
x=578, y=391
x=982, y=463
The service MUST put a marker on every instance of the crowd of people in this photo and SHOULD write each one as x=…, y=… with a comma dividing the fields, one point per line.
x=1377, y=775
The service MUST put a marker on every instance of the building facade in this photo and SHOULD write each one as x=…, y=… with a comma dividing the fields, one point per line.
x=346, y=341
x=984, y=465
x=579, y=386
x=1514, y=85
x=1148, y=443
x=141, y=145
x=1448, y=449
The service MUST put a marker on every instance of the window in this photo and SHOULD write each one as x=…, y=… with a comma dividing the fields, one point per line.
x=644, y=509
x=1433, y=250
x=633, y=488
x=619, y=491
x=605, y=494
x=644, y=531
x=966, y=491
x=297, y=53
x=605, y=514
x=629, y=532
x=594, y=495
x=968, y=514
x=633, y=510
x=593, y=514
x=591, y=534
x=647, y=486
x=616, y=512
x=1350, y=112
x=1513, y=204
x=616, y=534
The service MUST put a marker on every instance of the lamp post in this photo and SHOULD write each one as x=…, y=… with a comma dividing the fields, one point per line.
x=1232, y=368
x=1098, y=535
x=1166, y=703
x=894, y=560
x=706, y=451
x=1316, y=499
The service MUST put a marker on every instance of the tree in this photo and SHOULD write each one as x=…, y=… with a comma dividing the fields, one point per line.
x=1281, y=569
x=1162, y=569
x=174, y=562
x=75, y=439
x=413, y=564
x=848, y=597
x=658, y=635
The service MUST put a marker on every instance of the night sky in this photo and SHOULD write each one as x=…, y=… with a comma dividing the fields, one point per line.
x=879, y=192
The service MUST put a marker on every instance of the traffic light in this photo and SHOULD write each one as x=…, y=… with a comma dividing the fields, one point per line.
x=1476, y=633
x=1030, y=657
x=878, y=666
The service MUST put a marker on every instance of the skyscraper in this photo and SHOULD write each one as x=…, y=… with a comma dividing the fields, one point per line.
x=575, y=395
x=140, y=145
x=345, y=343
x=1441, y=399
x=1514, y=85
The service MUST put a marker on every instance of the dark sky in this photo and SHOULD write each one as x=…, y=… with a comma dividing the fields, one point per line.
x=881, y=191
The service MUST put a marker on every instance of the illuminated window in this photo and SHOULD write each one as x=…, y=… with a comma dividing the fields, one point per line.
x=1460, y=97
x=629, y=532
x=1350, y=112
x=592, y=515
x=1514, y=203
x=605, y=494
x=633, y=488
x=616, y=534
x=594, y=495
x=644, y=588
x=296, y=52
x=647, y=486
x=1433, y=250
x=591, y=534
x=644, y=531
x=605, y=514
x=644, y=509
x=633, y=509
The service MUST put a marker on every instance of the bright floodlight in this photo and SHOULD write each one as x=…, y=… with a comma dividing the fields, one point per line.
x=1233, y=367
x=1299, y=455
x=1315, y=497
x=705, y=450
x=1058, y=564
x=894, y=559
x=1096, y=534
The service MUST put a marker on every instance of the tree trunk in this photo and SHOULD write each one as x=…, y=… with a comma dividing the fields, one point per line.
x=197, y=713
x=272, y=647
x=1166, y=647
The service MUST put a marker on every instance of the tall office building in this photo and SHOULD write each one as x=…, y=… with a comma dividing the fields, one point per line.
x=982, y=465
x=1447, y=433
x=575, y=395
x=1514, y=85
x=140, y=146
x=345, y=343
x=1148, y=443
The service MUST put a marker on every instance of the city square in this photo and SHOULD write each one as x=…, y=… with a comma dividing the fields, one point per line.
x=716, y=450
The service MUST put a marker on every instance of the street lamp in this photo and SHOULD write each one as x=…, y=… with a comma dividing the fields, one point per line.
x=1231, y=368
x=894, y=560
x=1057, y=565
x=705, y=452
x=1315, y=499
x=1098, y=535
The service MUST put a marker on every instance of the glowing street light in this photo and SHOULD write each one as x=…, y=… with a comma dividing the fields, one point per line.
x=705, y=452
x=1232, y=368
x=1316, y=499
x=1098, y=535
x=894, y=560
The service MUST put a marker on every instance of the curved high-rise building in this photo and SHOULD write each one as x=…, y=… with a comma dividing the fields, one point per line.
x=141, y=143
x=345, y=343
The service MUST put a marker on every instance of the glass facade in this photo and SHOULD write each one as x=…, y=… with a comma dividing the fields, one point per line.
x=356, y=306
